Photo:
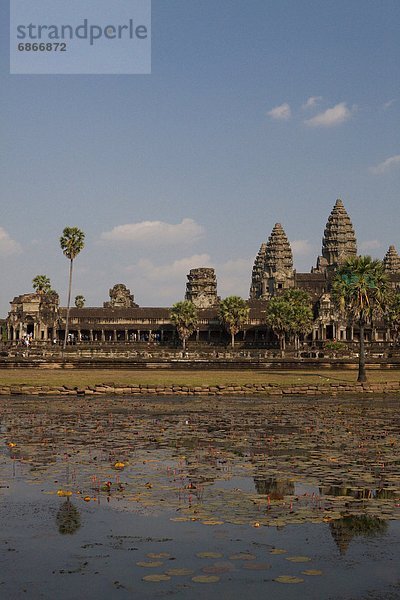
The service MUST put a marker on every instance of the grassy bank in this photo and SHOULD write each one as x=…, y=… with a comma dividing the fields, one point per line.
x=82, y=378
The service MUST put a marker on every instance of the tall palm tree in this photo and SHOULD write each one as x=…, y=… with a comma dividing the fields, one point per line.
x=289, y=313
x=184, y=316
x=360, y=290
x=233, y=313
x=41, y=284
x=72, y=242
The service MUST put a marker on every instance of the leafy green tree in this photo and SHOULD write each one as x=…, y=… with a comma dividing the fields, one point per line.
x=80, y=301
x=233, y=314
x=289, y=313
x=301, y=316
x=72, y=242
x=41, y=284
x=185, y=317
x=360, y=290
x=392, y=315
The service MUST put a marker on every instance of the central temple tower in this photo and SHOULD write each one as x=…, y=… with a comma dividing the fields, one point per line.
x=339, y=241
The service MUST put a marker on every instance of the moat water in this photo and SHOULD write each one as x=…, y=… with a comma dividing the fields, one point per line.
x=193, y=498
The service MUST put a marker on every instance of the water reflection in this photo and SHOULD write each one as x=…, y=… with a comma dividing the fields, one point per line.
x=345, y=529
x=68, y=519
x=287, y=462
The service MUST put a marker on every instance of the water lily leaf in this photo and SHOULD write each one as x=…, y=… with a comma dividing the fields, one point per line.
x=151, y=564
x=312, y=572
x=179, y=572
x=205, y=578
x=298, y=559
x=209, y=555
x=277, y=551
x=288, y=579
x=242, y=556
x=218, y=567
x=156, y=577
x=158, y=555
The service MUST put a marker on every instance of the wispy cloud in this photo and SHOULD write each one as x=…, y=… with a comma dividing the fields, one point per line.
x=311, y=102
x=281, y=112
x=370, y=245
x=156, y=233
x=388, y=104
x=177, y=269
x=302, y=247
x=390, y=163
x=332, y=116
x=8, y=246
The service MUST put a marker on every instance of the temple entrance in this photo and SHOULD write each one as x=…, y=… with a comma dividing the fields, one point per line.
x=329, y=332
x=30, y=327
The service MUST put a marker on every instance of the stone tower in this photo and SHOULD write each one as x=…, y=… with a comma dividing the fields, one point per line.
x=257, y=273
x=278, y=265
x=201, y=287
x=339, y=241
x=392, y=261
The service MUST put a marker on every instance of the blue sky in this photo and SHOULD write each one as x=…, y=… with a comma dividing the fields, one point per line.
x=256, y=112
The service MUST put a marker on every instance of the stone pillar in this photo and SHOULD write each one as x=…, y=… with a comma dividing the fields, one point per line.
x=103, y=336
x=114, y=335
x=91, y=335
x=197, y=335
x=161, y=335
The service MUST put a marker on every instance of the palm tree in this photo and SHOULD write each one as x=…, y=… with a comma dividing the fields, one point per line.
x=41, y=284
x=301, y=314
x=289, y=313
x=80, y=301
x=72, y=242
x=277, y=316
x=360, y=289
x=233, y=313
x=184, y=316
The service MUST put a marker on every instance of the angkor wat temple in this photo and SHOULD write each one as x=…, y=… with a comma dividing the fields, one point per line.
x=122, y=320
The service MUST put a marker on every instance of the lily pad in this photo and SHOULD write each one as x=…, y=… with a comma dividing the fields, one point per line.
x=205, y=578
x=288, y=579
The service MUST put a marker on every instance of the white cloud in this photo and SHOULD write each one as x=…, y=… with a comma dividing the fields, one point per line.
x=388, y=104
x=174, y=271
x=389, y=163
x=370, y=245
x=8, y=246
x=311, y=102
x=302, y=247
x=234, y=277
x=332, y=116
x=282, y=112
x=155, y=233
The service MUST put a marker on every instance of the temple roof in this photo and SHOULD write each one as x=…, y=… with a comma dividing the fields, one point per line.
x=278, y=254
x=339, y=241
x=392, y=261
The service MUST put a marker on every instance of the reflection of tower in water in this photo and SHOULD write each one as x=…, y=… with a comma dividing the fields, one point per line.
x=68, y=518
x=345, y=529
x=275, y=488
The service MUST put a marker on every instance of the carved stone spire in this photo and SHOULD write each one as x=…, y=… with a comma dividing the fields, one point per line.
x=278, y=266
x=392, y=261
x=339, y=241
x=278, y=255
x=201, y=287
x=257, y=273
